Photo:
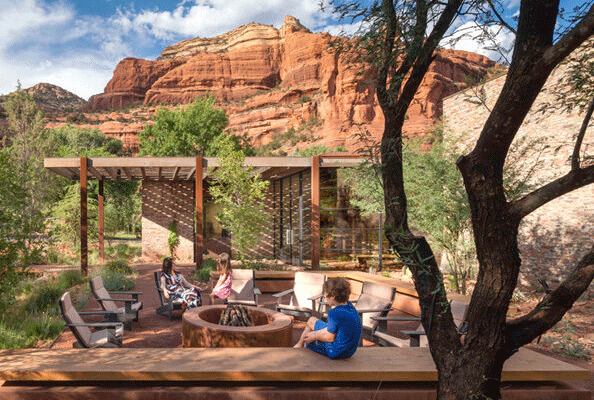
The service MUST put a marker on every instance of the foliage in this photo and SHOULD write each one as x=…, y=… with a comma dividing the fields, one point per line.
x=366, y=179
x=203, y=274
x=71, y=141
x=12, y=238
x=115, y=280
x=123, y=207
x=197, y=130
x=66, y=216
x=317, y=149
x=172, y=239
x=240, y=193
x=565, y=343
x=28, y=142
x=291, y=137
x=119, y=266
x=36, y=317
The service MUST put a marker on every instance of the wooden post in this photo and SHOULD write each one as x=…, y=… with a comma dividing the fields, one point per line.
x=84, y=257
x=199, y=212
x=100, y=223
x=315, y=212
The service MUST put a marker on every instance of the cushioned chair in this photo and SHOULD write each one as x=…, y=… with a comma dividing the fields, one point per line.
x=168, y=305
x=84, y=332
x=243, y=288
x=416, y=337
x=375, y=300
x=127, y=313
x=303, y=300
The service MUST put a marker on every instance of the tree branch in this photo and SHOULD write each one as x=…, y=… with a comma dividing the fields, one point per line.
x=575, y=157
x=505, y=24
x=571, y=41
x=573, y=180
x=551, y=309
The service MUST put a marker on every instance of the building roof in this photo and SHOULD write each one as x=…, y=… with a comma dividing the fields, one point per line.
x=184, y=168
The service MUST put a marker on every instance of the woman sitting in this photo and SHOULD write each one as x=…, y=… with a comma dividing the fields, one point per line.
x=176, y=285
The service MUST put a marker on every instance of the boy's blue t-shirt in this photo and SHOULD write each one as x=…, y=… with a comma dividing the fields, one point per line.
x=343, y=321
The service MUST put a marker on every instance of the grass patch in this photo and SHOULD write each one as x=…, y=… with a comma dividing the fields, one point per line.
x=35, y=317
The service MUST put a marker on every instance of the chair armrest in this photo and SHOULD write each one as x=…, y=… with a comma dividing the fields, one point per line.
x=124, y=300
x=130, y=293
x=374, y=310
x=283, y=293
x=316, y=297
x=98, y=312
x=402, y=319
x=99, y=324
x=415, y=337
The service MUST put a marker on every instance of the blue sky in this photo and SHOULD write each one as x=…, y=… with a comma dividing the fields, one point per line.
x=76, y=44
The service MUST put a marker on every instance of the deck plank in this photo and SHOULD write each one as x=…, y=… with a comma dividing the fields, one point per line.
x=372, y=364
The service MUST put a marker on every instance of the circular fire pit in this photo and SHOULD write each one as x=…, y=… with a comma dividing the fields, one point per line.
x=200, y=328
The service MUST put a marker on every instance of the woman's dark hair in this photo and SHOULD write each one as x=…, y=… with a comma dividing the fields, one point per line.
x=167, y=265
x=339, y=288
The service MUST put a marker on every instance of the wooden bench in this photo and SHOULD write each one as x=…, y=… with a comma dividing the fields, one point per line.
x=136, y=371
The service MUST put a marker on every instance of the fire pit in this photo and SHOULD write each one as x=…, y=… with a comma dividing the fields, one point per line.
x=200, y=328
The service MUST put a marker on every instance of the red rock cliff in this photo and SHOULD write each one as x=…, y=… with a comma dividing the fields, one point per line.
x=270, y=80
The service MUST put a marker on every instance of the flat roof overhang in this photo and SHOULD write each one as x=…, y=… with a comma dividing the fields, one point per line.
x=184, y=168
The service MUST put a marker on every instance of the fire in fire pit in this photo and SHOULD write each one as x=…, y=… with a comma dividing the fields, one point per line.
x=235, y=315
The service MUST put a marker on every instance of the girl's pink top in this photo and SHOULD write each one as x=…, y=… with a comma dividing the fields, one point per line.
x=223, y=287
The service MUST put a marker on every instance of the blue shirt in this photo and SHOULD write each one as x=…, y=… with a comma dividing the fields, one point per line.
x=344, y=322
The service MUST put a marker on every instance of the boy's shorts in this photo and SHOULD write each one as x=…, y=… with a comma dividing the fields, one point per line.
x=317, y=346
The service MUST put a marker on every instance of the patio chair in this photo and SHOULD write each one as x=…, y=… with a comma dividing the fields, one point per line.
x=127, y=313
x=375, y=300
x=305, y=296
x=168, y=305
x=243, y=288
x=111, y=336
x=416, y=337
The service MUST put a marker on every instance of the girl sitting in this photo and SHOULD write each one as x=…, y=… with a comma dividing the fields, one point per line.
x=222, y=289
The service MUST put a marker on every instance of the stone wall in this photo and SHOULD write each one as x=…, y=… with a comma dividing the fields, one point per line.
x=162, y=203
x=554, y=237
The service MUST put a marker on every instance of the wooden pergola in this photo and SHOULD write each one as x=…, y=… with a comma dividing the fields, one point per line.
x=188, y=169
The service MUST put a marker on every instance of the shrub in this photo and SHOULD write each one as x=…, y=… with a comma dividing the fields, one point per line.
x=117, y=281
x=71, y=278
x=45, y=298
x=203, y=274
x=119, y=266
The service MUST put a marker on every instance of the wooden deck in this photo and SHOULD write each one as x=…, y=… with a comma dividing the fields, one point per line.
x=371, y=364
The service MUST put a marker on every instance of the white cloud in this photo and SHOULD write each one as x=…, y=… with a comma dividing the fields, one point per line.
x=49, y=42
x=497, y=44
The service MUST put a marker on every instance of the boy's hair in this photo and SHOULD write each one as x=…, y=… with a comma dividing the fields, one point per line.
x=224, y=263
x=339, y=288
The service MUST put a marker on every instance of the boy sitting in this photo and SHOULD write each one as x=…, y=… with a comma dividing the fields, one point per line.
x=339, y=337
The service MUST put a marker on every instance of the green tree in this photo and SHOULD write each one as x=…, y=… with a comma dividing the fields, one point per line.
x=71, y=141
x=27, y=144
x=123, y=203
x=196, y=130
x=12, y=238
x=66, y=216
x=240, y=192
x=399, y=40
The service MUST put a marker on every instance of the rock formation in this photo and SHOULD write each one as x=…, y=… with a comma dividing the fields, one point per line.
x=270, y=80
